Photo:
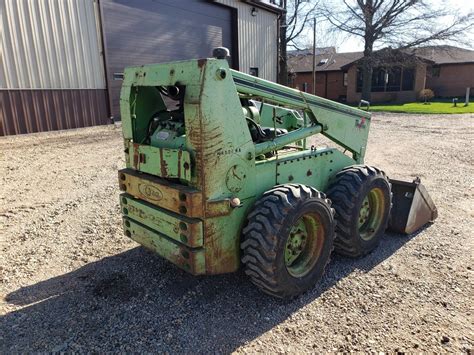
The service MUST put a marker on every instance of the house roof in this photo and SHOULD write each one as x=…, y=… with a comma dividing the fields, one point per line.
x=445, y=54
x=309, y=51
x=341, y=61
x=324, y=62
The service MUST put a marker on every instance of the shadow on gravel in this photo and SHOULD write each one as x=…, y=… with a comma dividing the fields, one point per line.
x=137, y=302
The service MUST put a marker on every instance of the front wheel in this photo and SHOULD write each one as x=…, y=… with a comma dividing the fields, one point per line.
x=288, y=240
x=362, y=198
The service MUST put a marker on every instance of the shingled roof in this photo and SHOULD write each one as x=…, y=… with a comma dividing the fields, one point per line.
x=324, y=62
x=340, y=61
x=445, y=54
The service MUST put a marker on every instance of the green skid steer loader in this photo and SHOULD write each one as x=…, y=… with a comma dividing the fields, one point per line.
x=219, y=174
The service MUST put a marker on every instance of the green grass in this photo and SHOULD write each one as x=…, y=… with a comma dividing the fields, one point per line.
x=419, y=107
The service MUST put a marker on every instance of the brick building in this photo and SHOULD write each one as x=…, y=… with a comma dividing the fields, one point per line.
x=398, y=77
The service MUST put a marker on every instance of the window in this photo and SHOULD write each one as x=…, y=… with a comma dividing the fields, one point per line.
x=305, y=87
x=435, y=71
x=408, y=79
x=254, y=71
x=322, y=62
x=344, y=78
x=393, y=78
x=378, y=80
x=389, y=79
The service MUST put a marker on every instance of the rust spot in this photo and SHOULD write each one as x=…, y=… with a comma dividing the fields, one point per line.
x=163, y=165
x=201, y=62
x=136, y=156
x=180, y=153
x=218, y=258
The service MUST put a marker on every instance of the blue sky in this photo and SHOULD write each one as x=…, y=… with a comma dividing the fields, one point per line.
x=354, y=44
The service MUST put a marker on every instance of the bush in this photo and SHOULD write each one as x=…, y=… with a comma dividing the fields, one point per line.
x=426, y=95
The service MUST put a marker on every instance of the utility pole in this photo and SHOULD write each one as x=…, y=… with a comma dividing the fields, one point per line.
x=314, y=56
x=282, y=56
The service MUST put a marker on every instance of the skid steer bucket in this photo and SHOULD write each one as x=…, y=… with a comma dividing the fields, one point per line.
x=412, y=207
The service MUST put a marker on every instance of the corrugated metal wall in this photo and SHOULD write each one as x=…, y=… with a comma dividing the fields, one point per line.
x=28, y=111
x=48, y=45
x=257, y=39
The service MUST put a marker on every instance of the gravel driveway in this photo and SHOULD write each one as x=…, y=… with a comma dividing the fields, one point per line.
x=70, y=281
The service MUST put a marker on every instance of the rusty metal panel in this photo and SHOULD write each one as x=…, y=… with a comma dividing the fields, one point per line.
x=189, y=259
x=50, y=45
x=173, y=197
x=185, y=230
x=163, y=162
x=30, y=111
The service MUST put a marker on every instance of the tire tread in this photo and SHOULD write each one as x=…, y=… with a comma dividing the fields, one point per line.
x=260, y=243
x=343, y=192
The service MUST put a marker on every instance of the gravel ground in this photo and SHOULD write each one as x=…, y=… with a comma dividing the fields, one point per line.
x=70, y=281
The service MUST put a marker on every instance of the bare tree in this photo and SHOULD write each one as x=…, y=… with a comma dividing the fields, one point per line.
x=294, y=20
x=400, y=24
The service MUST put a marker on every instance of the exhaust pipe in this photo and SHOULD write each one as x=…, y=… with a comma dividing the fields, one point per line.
x=412, y=207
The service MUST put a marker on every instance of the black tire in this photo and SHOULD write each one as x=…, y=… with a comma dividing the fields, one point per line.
x=353, y=187
x=265, y=238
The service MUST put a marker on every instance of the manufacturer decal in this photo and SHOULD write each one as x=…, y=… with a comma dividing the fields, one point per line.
x=228, y=151
x=150, y=192
x=136, y=211
x=360, y=123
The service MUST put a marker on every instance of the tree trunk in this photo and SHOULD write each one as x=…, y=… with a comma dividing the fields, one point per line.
x=282, y=58
x=367, y=69
x=367, y=61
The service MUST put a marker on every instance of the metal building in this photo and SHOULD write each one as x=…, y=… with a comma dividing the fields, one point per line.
x=58, y=57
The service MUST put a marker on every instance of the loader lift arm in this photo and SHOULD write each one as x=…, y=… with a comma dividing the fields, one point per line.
x=344, y=125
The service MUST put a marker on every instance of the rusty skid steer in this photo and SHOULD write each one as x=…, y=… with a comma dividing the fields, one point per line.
x=221, y=175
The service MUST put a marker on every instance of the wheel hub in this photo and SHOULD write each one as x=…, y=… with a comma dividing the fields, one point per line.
x=371, y=213
x=303, y=245
x=364, y=211
x=296, y=242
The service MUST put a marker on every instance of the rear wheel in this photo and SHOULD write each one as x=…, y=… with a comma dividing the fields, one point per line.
x=362, y=198
x=288, y=239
